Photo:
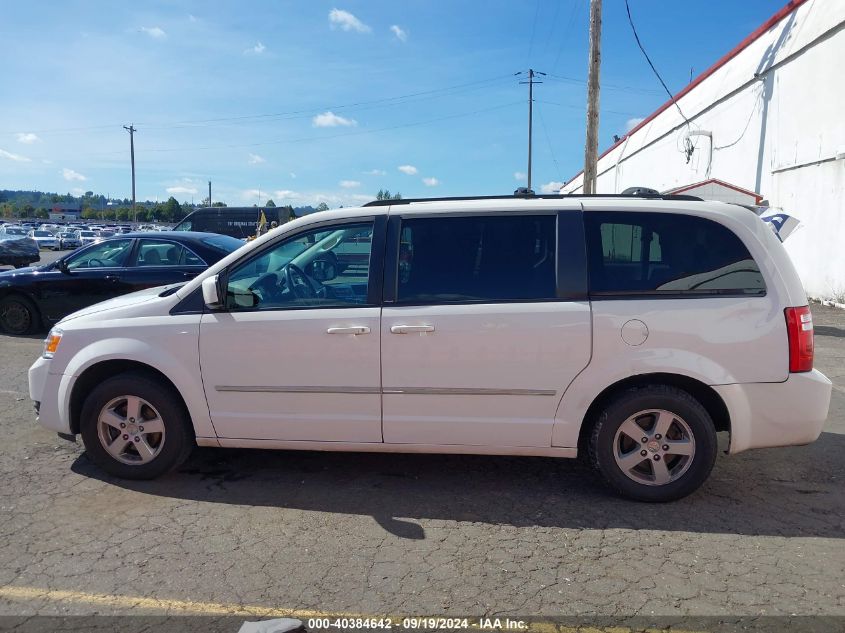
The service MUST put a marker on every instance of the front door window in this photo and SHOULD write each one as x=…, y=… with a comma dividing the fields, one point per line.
x=326, y=267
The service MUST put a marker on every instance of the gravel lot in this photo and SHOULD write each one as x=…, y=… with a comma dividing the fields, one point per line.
x=413, y=534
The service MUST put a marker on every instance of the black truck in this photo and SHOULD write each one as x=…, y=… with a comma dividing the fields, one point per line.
x=240, y=222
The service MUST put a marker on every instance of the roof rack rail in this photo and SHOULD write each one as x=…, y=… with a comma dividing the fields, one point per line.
x=554, y=196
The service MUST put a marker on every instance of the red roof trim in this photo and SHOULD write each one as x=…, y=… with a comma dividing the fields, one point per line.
x=757, y=197
x=788, y=8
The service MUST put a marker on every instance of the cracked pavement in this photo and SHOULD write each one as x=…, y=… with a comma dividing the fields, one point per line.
x=416, y=534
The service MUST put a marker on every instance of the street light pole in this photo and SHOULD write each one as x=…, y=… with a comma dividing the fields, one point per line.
x=131, y=129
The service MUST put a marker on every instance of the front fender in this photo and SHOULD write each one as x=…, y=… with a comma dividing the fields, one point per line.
x=175, y=354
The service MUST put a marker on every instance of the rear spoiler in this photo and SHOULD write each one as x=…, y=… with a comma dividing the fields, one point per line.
x=782, y=224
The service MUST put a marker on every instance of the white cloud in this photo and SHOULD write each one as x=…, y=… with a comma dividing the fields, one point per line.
x=330, y=119
x=252, y=194
x=400, y=33
x=430, y=182
x=255, y=50
x=349, y=184
x=376, y=172
x=154, y=32
x=15, y=157
x=285, y=193
x=408, y=169
x=70, y=175
x=518, y=175
x=255, y=159
x=183, y=190
x=551, y=187
x=630, y=124
x=338, y=18
x=27, y=138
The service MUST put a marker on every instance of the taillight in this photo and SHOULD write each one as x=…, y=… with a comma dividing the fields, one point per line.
x=799, y=329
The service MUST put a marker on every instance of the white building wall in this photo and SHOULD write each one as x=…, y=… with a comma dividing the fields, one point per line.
x=776, y=116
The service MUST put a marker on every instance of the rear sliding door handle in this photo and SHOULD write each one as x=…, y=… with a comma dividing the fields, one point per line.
x=411, y=329
x=358, y=329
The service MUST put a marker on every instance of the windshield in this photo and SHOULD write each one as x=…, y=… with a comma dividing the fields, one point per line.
x=13, y=231
x=86, y=234
x=43, y=234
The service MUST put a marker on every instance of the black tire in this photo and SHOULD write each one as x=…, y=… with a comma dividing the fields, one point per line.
x=178, y=440
x=18, y=315
x=629, y=403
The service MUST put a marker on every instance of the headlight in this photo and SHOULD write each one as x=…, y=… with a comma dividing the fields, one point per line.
x=51, y=343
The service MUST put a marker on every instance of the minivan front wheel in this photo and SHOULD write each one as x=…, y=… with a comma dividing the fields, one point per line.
x=654, y=443
x=135, y=427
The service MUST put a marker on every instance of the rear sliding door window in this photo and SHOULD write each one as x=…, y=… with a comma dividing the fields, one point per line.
x=477, y=259
x=666, y=254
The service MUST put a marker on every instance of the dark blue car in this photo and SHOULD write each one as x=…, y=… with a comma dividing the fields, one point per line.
x=34, y=298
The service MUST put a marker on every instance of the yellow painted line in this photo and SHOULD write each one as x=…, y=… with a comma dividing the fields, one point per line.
x=160, y=604
x=217, y=608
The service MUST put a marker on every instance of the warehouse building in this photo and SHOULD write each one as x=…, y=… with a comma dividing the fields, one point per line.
x=764, y=125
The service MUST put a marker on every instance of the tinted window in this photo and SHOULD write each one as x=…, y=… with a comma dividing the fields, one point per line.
x=165, y=253
x=667, y=253
x=327, y=267
x=482, y=258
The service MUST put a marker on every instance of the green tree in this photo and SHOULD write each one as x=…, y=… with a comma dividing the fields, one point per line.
x=172, y=210
x=322, y=207
x=270, y=203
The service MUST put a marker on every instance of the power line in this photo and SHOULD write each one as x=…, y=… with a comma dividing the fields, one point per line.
x=689, y=148
x=648, y=59
x=326, y=137
x=549, y=141
x=604, y=85
x=533, y=32
x=581, y=107
x=576, y=5
x=398, y=99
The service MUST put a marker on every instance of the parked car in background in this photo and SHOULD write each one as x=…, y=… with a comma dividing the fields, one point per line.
x=67, y=240
x=87, y=237
x=17, y=250
x=32, y=298
x=44, y=239
x=627, y=330
x=14, y=230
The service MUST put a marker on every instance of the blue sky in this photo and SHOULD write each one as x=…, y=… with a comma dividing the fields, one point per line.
x=329, y=101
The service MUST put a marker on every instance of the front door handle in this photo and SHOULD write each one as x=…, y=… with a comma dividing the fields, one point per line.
x=112, y=278
x=411, y=329
x=355, y=330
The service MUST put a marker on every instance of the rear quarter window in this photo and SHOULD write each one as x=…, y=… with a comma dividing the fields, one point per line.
x=667, y=254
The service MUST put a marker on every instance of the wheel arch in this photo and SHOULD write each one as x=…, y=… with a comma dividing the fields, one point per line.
x=705, y=394
x=102, y=370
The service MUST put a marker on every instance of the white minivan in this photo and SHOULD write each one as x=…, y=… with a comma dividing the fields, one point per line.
x=627, y=330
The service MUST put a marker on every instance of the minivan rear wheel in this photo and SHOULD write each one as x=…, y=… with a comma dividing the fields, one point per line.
x=135, y=426
x=654, y=443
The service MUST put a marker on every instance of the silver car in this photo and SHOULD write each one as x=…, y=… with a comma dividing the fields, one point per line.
x=67, y=240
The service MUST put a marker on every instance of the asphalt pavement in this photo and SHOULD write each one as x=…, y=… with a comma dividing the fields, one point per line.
x=238, y=531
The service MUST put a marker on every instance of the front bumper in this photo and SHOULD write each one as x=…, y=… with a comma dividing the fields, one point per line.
x=789, y=413
x=46, y=390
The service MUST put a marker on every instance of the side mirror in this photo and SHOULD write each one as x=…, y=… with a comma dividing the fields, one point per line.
x=62, y=265
x=210, y=293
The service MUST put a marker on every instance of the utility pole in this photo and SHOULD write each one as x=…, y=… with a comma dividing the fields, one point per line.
x=131, y=129
x=209, y=193
x=594, y=65
x=531, y=81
